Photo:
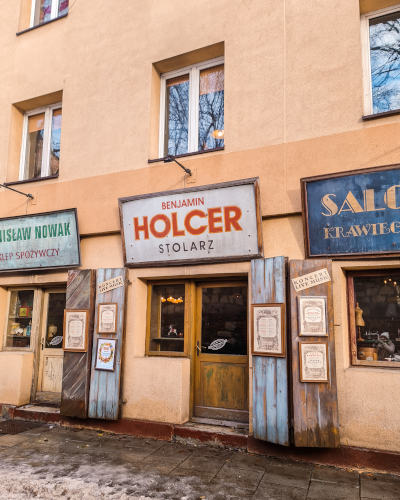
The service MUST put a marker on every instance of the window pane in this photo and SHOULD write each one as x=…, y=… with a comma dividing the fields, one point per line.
x=55, y=321
x=177, y=116
x=63, y=7
x=34, y=146
x=55, y=141
x=224, y=320
x=377, y=317
x=384, y=35
x=42, y=11
x=19, y=323
x=167, y=322
x=211, y=108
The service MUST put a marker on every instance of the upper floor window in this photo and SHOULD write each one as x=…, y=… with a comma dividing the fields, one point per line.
x=46, y=10
x=381, y=34
x=192, y=108
x=40, y=154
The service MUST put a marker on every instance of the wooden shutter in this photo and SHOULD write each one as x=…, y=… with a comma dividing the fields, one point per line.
x=76, y=367
x=315, y=407
x=270, y=374
x=105, y=386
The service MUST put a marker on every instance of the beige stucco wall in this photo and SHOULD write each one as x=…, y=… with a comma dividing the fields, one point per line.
x=16, y=369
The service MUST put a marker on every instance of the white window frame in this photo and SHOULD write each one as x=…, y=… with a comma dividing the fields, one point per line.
x=48, y=118
x=194, y=85
x=53, y=15
x=365, y=42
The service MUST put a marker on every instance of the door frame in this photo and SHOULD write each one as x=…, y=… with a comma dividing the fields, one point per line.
x=195, y=324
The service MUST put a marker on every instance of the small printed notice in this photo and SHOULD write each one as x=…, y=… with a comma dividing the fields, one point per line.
x=108, y=285
x=268, y=330
x=312, y=316
x=312, y=279
x=313, y=362
x=76, y=323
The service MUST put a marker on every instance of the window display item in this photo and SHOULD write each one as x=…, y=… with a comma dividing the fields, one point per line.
x=19, y=317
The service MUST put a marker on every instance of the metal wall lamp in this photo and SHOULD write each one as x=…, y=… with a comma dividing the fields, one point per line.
x=170, y=158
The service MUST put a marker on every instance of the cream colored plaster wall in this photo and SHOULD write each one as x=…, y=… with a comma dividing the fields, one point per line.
x=368, y=405
x=16, y=369
x=284, y=236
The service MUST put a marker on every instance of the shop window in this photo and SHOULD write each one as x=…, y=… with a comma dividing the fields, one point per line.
x=192, y=109
x=40, y=154
x=19, y=319
x=167, y=308
x=374, y=307
x=381, y=37
x=46, y=10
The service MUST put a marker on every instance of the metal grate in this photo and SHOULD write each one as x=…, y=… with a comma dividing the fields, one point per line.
x=17, y=426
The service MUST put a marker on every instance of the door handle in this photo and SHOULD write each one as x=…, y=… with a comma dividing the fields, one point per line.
x=198, y=348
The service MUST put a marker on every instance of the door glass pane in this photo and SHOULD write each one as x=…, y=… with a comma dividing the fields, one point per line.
x=42, y=11
x=34, y=146
x=19, y=324
x=224, y=320
x=211, y=108
x=63, y=7
x=384, y=33
x=167, y=322
x=55, y=141
x=55, y=321
x=177, y=115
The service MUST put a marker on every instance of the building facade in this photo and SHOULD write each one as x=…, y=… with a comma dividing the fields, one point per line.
x=95, y=97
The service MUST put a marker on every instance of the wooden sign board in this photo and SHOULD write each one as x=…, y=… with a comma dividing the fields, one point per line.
x=311, y=279
x=216, y=223
x=110, y=284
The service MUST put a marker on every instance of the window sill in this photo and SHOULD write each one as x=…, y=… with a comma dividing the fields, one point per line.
x=190, y=154
x=43, y=24
x=376, y=364
x=26, y=181
x=381, y=115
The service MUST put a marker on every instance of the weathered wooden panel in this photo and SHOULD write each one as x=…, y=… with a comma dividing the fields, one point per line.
x=270, y=374
x=53, y=368
x=105, y=386
x=76, y=370
x=315, y=408
x=223, y=385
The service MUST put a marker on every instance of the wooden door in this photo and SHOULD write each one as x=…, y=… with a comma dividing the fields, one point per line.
x=51, y=353
x=221, y=360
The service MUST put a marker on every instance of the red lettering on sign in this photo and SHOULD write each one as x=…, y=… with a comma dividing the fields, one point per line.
x=175, y=230
x=167, y=229
x=212, y=220
x=144, y=227
x=232, y=220
x=188, y=219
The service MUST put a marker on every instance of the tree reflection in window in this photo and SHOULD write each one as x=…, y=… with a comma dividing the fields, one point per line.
x=385, y=62
x=177, y=115
x=211, y=108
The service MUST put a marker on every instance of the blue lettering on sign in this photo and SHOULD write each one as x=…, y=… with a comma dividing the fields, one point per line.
x=354, y=214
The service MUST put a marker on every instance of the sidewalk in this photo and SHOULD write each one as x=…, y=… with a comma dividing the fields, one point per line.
x=51, y=463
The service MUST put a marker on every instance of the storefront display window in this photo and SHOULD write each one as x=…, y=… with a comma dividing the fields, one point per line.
x=167, y=318
x=19, y=321
x=55, y=321
x=374, y=300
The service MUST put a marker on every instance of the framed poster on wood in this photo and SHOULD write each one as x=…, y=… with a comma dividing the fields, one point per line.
x=312, y=316
x=76, y=324
x=314, y=362
x=268, y=330
x=105, y=354
x=107, y=317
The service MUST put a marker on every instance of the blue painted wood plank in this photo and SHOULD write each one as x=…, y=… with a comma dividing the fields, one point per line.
x=282, y=398
x=271, y=390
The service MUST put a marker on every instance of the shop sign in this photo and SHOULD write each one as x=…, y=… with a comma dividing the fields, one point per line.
x=311, y=279
x=221, y=222
x=40, y=241
x=352, y=214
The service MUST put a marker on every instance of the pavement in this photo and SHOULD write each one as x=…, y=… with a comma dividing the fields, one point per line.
x=52, y=462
